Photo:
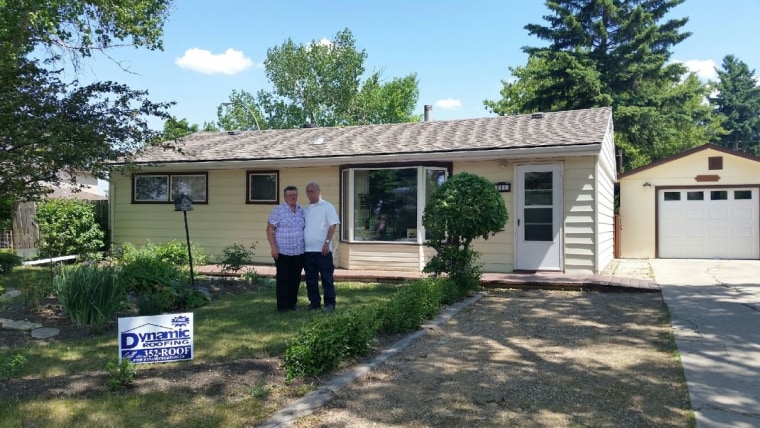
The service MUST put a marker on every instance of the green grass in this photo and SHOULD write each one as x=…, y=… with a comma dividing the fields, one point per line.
x=234, y=327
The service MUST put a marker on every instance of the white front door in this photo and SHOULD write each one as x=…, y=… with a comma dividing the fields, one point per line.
x=539, y=215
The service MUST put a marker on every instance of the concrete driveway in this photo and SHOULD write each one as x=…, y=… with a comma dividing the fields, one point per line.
x=715, y=311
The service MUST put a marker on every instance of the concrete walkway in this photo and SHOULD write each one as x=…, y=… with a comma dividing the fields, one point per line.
x=714, y=308
x=633, y=276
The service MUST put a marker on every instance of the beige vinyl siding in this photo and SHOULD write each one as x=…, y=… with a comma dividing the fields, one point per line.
x=606, y=177
x=497, y=252
x=225, y=220
x=579, y=214
x=392, y=257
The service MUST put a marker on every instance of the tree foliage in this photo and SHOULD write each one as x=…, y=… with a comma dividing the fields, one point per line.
x=321, y=83
x=465, y=207
x=737, y=102
x=51, y=129
x=177, y=128
x=614, y=53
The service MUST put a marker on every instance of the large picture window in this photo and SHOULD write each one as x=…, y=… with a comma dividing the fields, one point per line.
x=164, y=188
x=262, y=187
x=386, y=204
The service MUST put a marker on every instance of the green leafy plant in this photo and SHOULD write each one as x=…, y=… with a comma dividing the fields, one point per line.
x=9, y=366
x=8, y=261
x=259, y=390
x=235, y=256
x=450, y=229
x=121, y=375
x=90, y=295
x=67, y=227
x=34, y=289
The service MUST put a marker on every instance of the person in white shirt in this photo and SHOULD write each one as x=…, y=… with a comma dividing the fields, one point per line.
x=321, y=222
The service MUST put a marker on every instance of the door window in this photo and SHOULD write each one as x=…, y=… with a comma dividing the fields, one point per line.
x=538, y=212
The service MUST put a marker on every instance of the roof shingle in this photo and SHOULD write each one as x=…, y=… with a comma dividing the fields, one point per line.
x=555, y=129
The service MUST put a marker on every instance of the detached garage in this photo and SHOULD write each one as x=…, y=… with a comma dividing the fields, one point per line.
x=703, y=203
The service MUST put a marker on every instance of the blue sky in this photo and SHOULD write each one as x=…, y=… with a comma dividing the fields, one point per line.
x=460, y=51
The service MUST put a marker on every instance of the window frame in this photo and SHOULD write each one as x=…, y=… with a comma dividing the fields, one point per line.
x=251, y=173
x=415, y=236
x=168, y=179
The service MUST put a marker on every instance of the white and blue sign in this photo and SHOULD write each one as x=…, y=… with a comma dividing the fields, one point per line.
x=156, y=339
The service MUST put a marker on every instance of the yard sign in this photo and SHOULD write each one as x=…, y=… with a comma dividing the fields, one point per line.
x=156, y=339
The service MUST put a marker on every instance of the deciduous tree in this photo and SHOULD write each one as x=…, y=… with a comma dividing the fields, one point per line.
x=48, y=126
x=321, y=83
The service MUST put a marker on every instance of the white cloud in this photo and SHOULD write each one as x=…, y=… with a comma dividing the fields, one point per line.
x=448, y=104
x=230, y=62
x=705, y=69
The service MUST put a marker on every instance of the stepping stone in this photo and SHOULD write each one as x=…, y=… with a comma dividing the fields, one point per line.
x=20, y=325
x=45, y=332
x=11, y=293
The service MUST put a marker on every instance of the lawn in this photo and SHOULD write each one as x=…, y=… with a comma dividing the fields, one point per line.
x=235, y=379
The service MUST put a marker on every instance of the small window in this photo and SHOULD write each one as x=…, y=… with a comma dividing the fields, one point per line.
x=715, y=162
x=718, y=195
x=150, y=188
x=695, y=196
x=262, y=187
x=192, y=185
x=742, y=194
x=672, y=196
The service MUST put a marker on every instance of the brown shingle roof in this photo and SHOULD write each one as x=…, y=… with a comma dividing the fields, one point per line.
x=556, y=129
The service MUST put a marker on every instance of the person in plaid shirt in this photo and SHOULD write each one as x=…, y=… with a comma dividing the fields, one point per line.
x=285, y=233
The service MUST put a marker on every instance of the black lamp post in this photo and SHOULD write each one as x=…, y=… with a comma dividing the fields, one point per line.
x=184, y=203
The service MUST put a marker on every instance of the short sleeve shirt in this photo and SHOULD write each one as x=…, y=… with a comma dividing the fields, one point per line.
x=319, y=218
x=289, y=229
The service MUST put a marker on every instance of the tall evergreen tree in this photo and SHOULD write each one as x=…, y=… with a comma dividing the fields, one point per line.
x=614, y=52
x=737, y=101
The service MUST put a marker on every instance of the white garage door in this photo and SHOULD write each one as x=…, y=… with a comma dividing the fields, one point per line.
x=709, y=223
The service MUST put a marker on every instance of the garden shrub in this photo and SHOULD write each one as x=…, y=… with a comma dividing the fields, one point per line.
x=8, y=261
x=90, y=295
x=450, y=229
x=155, y=275
x=173, y=252
x=412, y=304
x=146, y=274
x=67, y=227
x=322, y=344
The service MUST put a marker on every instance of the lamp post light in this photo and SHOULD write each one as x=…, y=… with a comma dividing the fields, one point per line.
x=255, y=120
x=184, y=203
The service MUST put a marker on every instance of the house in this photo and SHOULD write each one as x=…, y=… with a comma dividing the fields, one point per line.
x=555, y=171
x=701, y=203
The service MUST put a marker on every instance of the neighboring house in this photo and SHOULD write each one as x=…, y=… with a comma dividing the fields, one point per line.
x=702, y=203
x=556, y=172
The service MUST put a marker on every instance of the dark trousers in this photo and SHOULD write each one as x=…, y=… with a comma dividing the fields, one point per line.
x=315, y=266
x=288, y=280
